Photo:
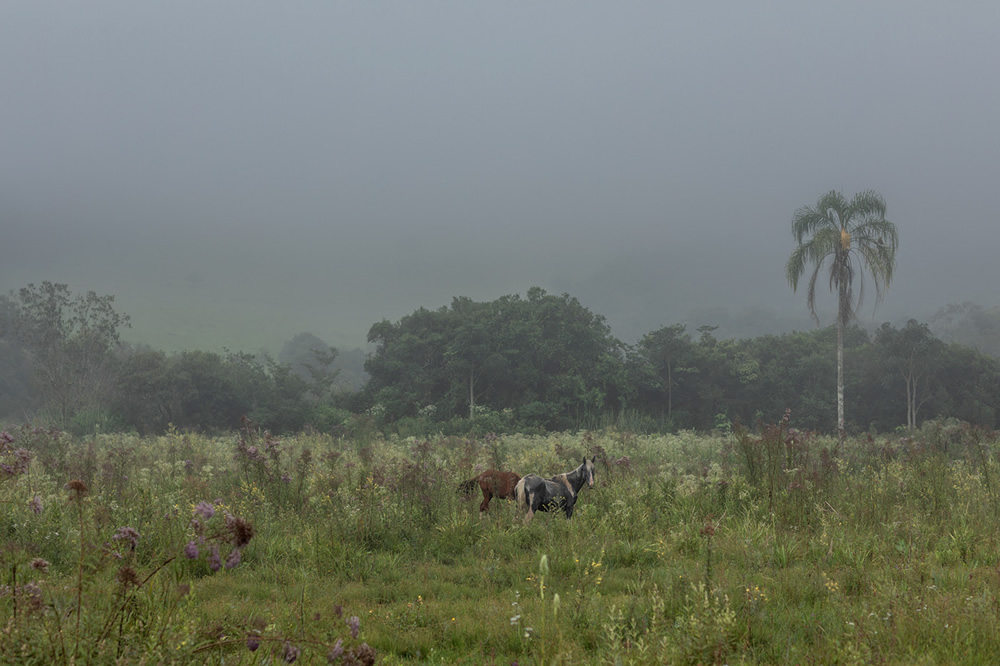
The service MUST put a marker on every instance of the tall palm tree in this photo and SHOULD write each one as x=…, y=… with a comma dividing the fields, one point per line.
x=855, y=236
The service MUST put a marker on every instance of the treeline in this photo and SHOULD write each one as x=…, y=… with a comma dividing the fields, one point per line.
x=536, y=363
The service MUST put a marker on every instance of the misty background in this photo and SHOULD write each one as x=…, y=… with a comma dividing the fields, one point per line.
x=236, y=173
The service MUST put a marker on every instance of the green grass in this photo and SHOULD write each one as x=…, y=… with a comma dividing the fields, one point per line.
x=690, y=549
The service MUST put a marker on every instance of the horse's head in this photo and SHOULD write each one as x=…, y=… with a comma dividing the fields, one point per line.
x=588, y=469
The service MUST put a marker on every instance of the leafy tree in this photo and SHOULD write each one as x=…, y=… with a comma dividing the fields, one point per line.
x=407, y=370
x=70, y=341
x=791, y=371
x=856, y=238
x=16, y=394
x=148, y=394
x=970, y=381
x=312, y=360
x=667, y=351
x=545, y=357
x=911, y=353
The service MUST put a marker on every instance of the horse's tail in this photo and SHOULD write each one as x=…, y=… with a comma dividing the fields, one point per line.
x=520, y=496
x=468, y=487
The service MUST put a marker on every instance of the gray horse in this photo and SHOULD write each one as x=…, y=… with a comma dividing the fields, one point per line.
x=533, y=493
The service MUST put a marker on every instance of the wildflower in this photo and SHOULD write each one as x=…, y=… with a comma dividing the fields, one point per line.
x=354, y=622
x=38, y=564
x=22, y=459
x=240, y=530
x=6, y=437
x=290, y=653
x=78, y=487
x=515, y=619
x=31, y=593
x=253, y=642
x=191, y=550
x=128, y=576
x=286, y=477
x=233, y=558
x=35, y=504
x=335, y=652
x=338, y=610
x=127, y=534
x=365, y=654
x=205, y=510
x=214, y=561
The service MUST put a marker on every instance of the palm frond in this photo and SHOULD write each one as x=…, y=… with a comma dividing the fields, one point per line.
x=867, y=205
x=872, y=249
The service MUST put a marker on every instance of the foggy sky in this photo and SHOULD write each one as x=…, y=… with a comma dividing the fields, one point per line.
x=239, y=172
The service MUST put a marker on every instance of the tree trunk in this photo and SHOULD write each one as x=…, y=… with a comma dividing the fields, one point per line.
x=670, y=391
x=472, y=396
x=840, y=379
x=842, y=314
x=909, y=404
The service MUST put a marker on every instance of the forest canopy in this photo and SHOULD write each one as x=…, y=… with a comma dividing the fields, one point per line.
x=534, y=363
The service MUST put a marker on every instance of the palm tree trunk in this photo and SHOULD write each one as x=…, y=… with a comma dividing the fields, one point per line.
x=840, y=379
x=842, y=314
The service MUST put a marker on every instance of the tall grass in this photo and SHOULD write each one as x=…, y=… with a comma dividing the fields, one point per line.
x=772, y=546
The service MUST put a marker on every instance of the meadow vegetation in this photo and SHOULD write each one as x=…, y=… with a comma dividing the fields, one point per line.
x=758, y=547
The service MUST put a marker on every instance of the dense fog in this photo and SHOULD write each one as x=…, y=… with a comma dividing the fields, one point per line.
x=236, y=173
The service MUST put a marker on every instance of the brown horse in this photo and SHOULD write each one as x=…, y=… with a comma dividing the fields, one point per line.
x=494, y=483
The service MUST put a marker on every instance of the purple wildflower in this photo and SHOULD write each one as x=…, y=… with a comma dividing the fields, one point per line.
x=191, y=550
x=355, y=624
x=214, y=561
x=22, y=460
x=35, y=504
x=290, y=653
x=253, y=642
x=205, y=510
x=127, y=534
x=233, y=558
x=38, y=564
x=335, y=652
x=31, y=593
x=6, y=437
x=286, y=477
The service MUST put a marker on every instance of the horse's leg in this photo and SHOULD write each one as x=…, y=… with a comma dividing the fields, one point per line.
x=485, y=506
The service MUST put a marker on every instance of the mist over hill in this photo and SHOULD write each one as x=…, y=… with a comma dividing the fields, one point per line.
x=326, y=166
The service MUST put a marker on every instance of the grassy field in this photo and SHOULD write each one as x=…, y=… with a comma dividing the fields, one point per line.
x=775, y=547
